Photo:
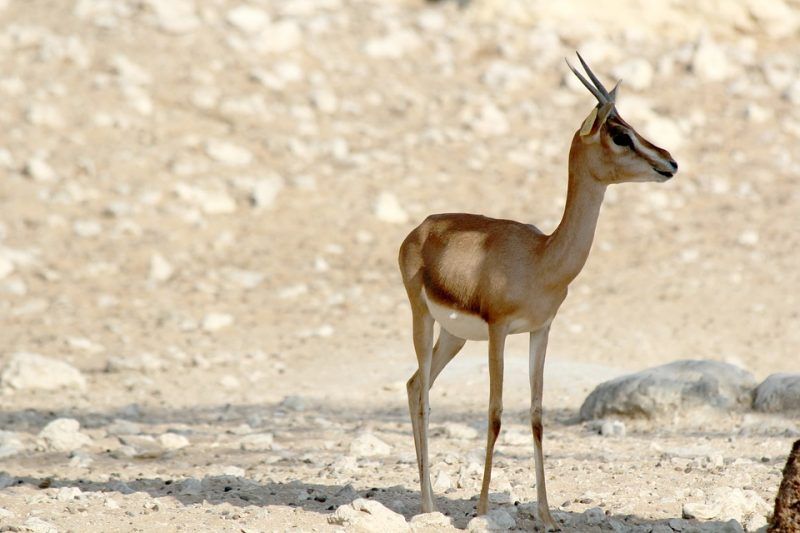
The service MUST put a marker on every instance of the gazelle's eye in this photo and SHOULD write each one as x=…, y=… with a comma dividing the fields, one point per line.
x=621, y=139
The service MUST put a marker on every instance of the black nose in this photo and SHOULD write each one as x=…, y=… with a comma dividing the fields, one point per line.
x=674, y=165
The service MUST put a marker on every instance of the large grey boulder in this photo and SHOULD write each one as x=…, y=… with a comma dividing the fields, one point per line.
x=778, y=393
x=671, y=389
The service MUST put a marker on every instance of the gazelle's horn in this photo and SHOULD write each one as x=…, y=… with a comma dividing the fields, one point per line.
x=594, y=79
x=597, y=94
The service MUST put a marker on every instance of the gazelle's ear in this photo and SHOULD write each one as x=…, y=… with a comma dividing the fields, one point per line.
x=598, y=116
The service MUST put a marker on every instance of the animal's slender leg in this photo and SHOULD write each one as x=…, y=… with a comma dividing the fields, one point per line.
x=423, y=342
x=538, y=348
x=447, y=346
x=497, y=340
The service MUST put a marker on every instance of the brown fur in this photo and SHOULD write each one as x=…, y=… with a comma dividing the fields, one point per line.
x=786, y=518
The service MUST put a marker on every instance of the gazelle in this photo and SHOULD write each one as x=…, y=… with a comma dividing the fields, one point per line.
x=483, y=278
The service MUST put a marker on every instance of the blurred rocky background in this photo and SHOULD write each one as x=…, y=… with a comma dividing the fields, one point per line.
x=201, y=201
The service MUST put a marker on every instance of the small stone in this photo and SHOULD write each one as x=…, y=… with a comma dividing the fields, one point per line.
x=612, y=428
x=175, y=16
x=230, y=382
x=161, y=270
x=388, y=209
x=63, y=435
x=368, y=445
x=45, y=115
x=228, y=153
x=6, y=266
x=120, y=426
x=392, y=46
x=490, y=121
x=173, y=441
x=594, y=516
x=27, y=371
x=368, y=515
x=66, y=494
x=191, y=487
x=235, y=471
x=293, y=403
x=248, y=19
x=277, y=38
x=256, y=442
x=217, y=321
x=141, y=447
x=87, y=228
x=710, y=61
x=435, y=521
x=80, y=459
x=700, y=511
x=40, y=170
x=10, y=444
x=442, y=482
x=265, y=190
x=325, y=101
x=130, y=72
x=37, y=525
x=144, y=362
x=495, y=520
x=460, y=431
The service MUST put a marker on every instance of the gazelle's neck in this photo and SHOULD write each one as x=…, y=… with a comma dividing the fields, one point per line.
x=568, y=247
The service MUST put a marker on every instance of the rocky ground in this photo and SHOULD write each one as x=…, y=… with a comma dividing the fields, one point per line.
x=200, y=209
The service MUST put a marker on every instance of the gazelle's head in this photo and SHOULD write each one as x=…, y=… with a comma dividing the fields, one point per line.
x=611, y=149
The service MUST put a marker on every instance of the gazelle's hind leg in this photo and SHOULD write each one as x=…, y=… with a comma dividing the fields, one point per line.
x=497, y=340
x=538, y=349
x=447, y=346
x=418, y=403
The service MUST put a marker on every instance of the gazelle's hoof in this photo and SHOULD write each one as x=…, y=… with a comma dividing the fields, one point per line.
x=550, y=523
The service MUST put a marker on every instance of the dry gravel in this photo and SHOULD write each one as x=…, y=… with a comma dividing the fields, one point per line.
x=200, y=209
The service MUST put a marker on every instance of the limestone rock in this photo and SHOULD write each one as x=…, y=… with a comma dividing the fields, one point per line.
x=63, y=435
x=248, y=19
x=10, y=444
x=27, y=371
x=636, y=73
x=388, y=209
x=430, y=522
x=368, y=445
x=494, y=520
x=675, y=388
x=779, y=393
x=256, y=442
x=366, y=516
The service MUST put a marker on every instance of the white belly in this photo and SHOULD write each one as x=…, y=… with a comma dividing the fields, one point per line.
x=466, y=325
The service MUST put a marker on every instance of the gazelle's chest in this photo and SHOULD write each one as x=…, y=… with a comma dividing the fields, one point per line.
x=467, y=325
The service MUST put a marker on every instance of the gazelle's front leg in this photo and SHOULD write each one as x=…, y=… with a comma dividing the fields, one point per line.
x=538, y=348
x=497, y=341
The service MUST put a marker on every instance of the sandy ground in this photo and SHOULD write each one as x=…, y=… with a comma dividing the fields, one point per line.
x=201, y=205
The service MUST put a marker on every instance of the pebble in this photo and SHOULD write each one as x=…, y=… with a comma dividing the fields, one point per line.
x=139, y=447
x=392, y=46
x=294, y=402
x=248, y=19
x=278, y=38
x=30, y=371
x=228, y=153
x=39, y=170
x=63, y=435
x=325, y=100
x=37, y=525
x=65, y=494
x=368, y=515
x=191, y=486
x=612, y=428
x=265, y=190
x=161, y=270
x=256, y=442
x=494, y=520
x=216, y=321
x=435, y=521
x=173, y=441
x=489, y=121
x=10, y=444
x=594, y=516
x=6, y=266
x=388, y=209
x=453, y=430
x=144, y=362
x=441, y=482
x=175, y=16
x=710, y=61
x=368, y=445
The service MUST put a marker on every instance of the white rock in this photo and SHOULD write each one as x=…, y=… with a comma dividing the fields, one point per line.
x=431, y=522
x=748, y=237
x=33, y=371
x=37, y=525
x=10, y=444
x=144, y=362
x=490, y=121
x=368, y=445
x=6, y=266
x=388, y=209
x=460, y=431
x=257, y=442
x=66, y=494
x=664, y=132
x=160, y=269
x=248, y=19
x=775, y=17
x=392, y=46
x=228, y=153
x=48, y=115
x=63, y=435
x=324, y=100
x=612, y=428
x=710, y=62
x=364, y=516
x=40, y=170
x=279, y=37
x=130, y=72
x=636, y=73
x=175, y=16
x=217, y=321
x=173, y=441
x=87, y=228
x=266, y=190
x=442, y=482
x=5, y=513
x=247, y=279
x=139, y=447
x=495, y=520
x=792, y=92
